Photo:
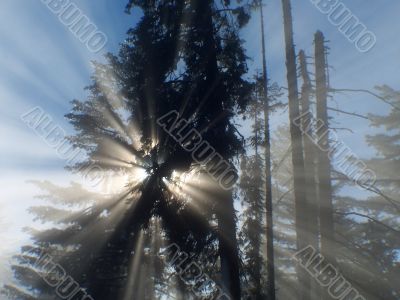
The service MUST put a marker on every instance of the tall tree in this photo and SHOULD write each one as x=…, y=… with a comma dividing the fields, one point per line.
x=251, y=188
x=324, y=163
x=380, y=214
x=215, y=64
x=268, y=173
x=183, y=56
x=310, y=154
x=297, y=147
x=251, y=182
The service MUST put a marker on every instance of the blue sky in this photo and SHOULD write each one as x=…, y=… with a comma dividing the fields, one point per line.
x=43, y=64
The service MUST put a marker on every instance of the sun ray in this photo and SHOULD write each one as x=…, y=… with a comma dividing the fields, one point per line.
x=134, y=268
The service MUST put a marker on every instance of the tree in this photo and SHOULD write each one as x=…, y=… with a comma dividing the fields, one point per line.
x=72, y=217
x=268, y=174
x=251, y=182
x=284, y=214
x=251, y=188
x=377, y=217
x=324, y=164
x=297, y=148
x=215, y=63
x=310, y=154
x=183, y=56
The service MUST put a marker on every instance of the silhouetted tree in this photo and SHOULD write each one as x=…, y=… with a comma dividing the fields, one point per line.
x=183, y=56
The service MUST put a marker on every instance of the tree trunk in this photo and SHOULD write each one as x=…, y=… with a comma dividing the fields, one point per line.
x=310, y=153
x=268, y=175
x=324, y=164
x=297, y=149
x=228, y=248
x=257, y=245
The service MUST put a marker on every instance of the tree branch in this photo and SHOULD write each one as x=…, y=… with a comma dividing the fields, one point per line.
x=367, y=92
x=367, y=217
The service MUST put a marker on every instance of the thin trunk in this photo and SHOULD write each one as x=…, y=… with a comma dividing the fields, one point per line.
x=324, y=163
x=268, y=179
x=297, y=149
x=257, y=245
x=310, y=153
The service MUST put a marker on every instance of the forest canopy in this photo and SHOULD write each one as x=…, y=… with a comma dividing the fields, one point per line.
x=207, y=166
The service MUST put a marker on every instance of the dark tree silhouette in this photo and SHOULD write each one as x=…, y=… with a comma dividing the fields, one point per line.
x=183, y=56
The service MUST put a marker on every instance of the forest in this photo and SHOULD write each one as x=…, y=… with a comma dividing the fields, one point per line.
x=213, y=180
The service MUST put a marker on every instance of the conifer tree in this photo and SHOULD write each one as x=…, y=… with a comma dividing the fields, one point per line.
x=267, y=171
x=183, y=56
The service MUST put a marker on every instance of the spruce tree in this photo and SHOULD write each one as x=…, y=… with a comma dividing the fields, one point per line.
x=267, y=168
x=183, y=56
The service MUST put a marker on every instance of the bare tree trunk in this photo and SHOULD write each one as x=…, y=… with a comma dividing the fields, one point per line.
x=310, y=154
x=297, y=149
x=324, y=164
x=268, y=175
x=257, y=245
